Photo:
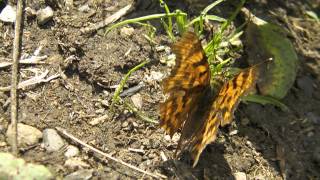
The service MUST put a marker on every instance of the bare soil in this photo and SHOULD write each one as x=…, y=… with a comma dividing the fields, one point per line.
x=251, y=144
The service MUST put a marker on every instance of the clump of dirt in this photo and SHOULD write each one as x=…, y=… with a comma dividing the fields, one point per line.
x=92, y=65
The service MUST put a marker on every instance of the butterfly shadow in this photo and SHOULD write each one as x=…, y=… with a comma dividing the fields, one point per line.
x=212, y=165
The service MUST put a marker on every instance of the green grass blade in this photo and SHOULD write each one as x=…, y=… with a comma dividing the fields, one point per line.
x=212, y=5
x=144, y=18
x=116, y=95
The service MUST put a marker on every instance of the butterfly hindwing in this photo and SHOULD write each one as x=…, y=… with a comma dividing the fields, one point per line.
x=222, y=109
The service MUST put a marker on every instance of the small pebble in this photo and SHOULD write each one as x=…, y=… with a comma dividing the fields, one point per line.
x=154, y=76
x=171, y=60
x=135, y=124
x=313, y=117
x=126, y=31
x=100, y=111
x=71, y=151
x=85, y=8
x=27, y=135
x=240, y=176
x=234, y=132
x=76, y=162
x=82, y=174
x=98, y=120
x=137, y=100
x=44, y=15
x=125, y=124
x=160, y=48
x=245, y=121
x=8, y=14
x=52, y=140
x=3, y=144
x=69, y=3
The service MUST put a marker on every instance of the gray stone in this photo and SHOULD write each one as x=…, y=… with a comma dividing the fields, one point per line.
x=240, y=176
x=126, y=31
x=76, y=162
x=52, y=140
x=313, y=117
x=83, y=174
x=85, y=8
x=71, y=151
x=8, y=14
x=44, y=15
x=137, y=100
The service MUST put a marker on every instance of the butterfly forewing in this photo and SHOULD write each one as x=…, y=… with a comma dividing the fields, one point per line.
x=189, y=76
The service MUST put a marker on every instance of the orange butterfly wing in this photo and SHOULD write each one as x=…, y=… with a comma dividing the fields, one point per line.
x=191, y=105
x=222, y=110
x=187, y=80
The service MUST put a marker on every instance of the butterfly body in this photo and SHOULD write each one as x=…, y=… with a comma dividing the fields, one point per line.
x=191, y=106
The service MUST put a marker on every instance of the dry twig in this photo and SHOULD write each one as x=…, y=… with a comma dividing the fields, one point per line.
x=65, y=133
x=14, y=81
x=32, y=60
x=32, y=81
x=107, y=21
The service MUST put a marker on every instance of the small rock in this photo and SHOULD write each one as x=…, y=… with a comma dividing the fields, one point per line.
x=100, y=111
x=71, y=151
x=126, y=31
x=52, y=140
x=125, y=124
x=83, y=174
x=240, y=176
x=134, y=124
x=137, y=100
x=313, y=117
x=154, y=76
x=245, y=121
x=234, y=132
x=76, y=162
x=69, y=3
x=98, y=120
x=27, y=135
x=176, y=137
x=167, y=138
x=3, y=144
x=160, y=48
x=171, y=60
x=8, y=14
x=310, y=134
x=85, y=8
x=44, y=15
x=30, y=12
x=305, y=83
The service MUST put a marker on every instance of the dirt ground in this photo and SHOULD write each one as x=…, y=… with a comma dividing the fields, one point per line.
x=252, y=144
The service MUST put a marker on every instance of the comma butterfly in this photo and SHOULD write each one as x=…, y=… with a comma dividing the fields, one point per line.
x=191, y=107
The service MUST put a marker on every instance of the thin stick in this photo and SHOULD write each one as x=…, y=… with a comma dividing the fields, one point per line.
x=107, y=21
x=32, y=60
x=32, y=81
x=64, y=132
x=14, y=81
